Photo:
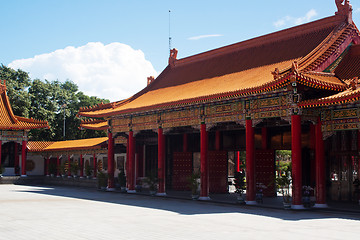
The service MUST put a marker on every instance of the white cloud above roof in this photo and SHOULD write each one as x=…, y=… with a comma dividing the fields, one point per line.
x=114, y=71
x=290, y=21
x=204, y=36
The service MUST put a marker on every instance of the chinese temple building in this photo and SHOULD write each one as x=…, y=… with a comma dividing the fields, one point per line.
x=296, y=89
x=14, y=136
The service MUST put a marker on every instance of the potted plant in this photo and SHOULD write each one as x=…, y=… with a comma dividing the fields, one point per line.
x=62, y=170
x=102, y=180
x=151, y=182
x=240, y=186
x=88, y=170
x=260, y=187
x=2, y=170
x=306, y=196
x=74, y=167
x=52, y=169
x=194, y=183
x=122, y=180
x=283, y=184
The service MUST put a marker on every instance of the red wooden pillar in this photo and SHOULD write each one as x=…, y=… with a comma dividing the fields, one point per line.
x=264, y=137
x=58, y=166
x=296, y=161
x=69, y=166
x=238, y=163
x=0, y=151
x=111, y=184
x=81, y=166
x=95, y=165
x=161, y=163
x=47, y=167
x=250, y=163
x=131, y=174
x=16, y=165
x=185, y=142
x=204, y=164
x=127, y=174
x=358, y=134
x=23, y=158
x=312, y=146
x=320, y=167
x=217, y=140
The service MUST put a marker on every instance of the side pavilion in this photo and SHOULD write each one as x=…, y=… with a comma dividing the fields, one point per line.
x=14, y=136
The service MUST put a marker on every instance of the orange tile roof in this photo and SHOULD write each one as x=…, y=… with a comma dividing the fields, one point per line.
x=80, y=144
x=94, y=124
x=238, y=69
x=37, y=146
x=8, y=121
x=346, y=96
x=322, y=81
x=349, y=67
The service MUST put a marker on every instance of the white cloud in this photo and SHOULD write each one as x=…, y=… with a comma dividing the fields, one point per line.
x=288, y=20
x=114, y=71
x=204, y=36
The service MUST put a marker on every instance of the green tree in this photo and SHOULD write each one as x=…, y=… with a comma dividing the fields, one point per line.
x=49, y=101
x=17, y=82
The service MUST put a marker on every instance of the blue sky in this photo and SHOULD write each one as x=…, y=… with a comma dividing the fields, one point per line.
x=37, y=27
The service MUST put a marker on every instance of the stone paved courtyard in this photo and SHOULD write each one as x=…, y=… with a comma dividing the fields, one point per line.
x=72, y=213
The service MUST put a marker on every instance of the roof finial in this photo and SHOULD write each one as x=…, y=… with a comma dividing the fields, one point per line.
x=150, y=80
x=173, y=56
x=354, y=83
x=276, y=73
x=344, y=9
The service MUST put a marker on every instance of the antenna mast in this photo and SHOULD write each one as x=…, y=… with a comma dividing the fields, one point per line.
x=169, y=31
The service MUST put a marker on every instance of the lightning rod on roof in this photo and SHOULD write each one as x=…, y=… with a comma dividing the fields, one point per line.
x=169, y=30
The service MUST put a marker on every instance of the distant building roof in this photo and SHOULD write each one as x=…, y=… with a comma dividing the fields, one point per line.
x=8, y=121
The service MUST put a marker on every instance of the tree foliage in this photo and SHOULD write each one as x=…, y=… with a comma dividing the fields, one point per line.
x=49, y=101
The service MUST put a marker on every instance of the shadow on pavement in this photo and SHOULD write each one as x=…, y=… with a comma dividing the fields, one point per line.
x=184, y=206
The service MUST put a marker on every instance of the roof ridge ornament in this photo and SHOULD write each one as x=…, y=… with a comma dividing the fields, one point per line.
x=295, y=67
x=354, y=84
x=344, y=9
x=276, y=73
x=173, y=57
x=150, y=80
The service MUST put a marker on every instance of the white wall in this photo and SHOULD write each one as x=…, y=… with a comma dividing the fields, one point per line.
x=39, y=164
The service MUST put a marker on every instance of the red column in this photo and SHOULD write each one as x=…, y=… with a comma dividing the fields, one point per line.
x=16, y=165
x=95, y=165
x=47, y=166
x=185, y=142
x=58, y=166
x=131, y=174
x=296, y=161
x=81, y=166
x=359, y=159
x=320, y=167
x=23, y=159
x=217, y=140
x=238, y=161
x=204, y=165
x=250, y=163
x=127, y=162
x=69, y=166
x=111, y=186
x=0, y=151
x=161, y=162
x=264, y=137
